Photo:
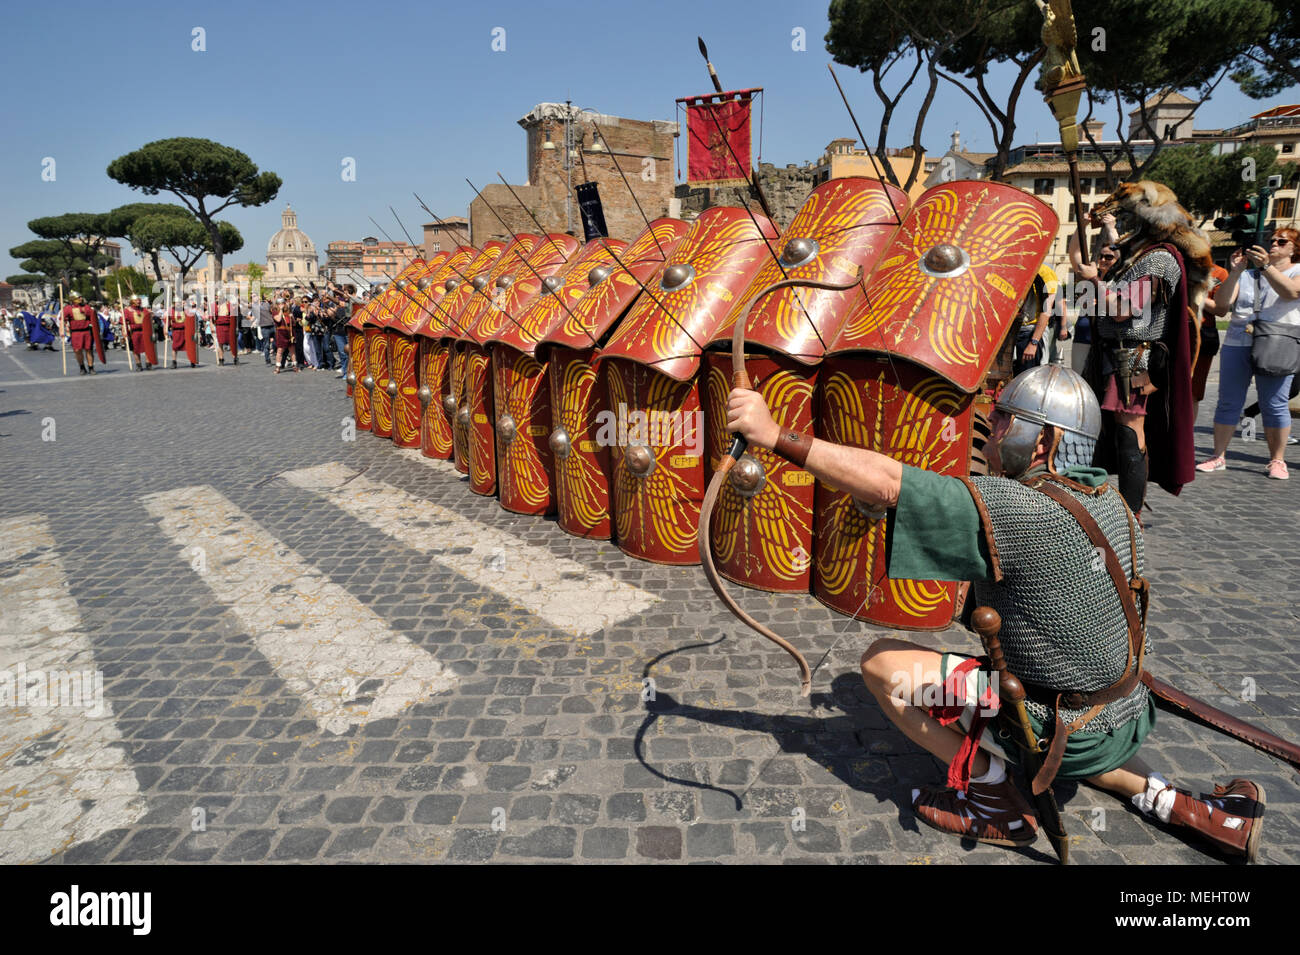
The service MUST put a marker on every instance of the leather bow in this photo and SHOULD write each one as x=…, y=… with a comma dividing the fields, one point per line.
x=740, y=379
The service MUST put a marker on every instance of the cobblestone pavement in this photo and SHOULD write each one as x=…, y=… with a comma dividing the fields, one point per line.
x=288, y=676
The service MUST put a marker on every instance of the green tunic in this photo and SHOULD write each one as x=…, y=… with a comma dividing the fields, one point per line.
x=935, y=534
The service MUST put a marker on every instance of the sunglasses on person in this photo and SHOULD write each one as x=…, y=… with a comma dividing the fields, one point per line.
x=1278, y=242
x=1107, y=257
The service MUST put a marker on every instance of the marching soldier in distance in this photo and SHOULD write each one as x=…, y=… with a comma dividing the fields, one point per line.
x=225, y=323
x=184, y=325
x=82, y=325
x=139, y=332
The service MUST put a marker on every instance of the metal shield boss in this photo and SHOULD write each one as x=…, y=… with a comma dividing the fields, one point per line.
x=481, y=430
x=460, y=417
x=358, y=364
x=612, y=286
x=381, y=403
x=654, y=433
x=651, y=362
x=762, y=526
x=581, y=463
x=455, y=300
x=522, y=315
x=761, y=531
x=483, y=306
x=435, y=422
x=903, y=376
x=404, y=387
x=525, y=463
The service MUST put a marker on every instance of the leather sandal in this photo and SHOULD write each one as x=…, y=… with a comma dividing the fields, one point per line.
x=1230, y=818
x=997, y=814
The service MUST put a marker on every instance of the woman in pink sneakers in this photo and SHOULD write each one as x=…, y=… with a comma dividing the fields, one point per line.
x=1269, y=292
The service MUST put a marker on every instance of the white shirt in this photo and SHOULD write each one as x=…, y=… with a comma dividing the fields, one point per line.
x=1273, y=308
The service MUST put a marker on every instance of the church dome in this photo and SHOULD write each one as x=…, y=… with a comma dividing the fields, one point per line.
x=290, y=239
x=290, y=255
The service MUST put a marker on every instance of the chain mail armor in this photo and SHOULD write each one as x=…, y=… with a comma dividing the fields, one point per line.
x=1163, y=270
x=1063, y=626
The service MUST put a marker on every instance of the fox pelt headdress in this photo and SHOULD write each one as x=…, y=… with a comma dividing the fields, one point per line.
x=1150, y=213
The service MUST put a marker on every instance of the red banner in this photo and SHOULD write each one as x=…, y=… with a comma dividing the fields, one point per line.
x=717, y=128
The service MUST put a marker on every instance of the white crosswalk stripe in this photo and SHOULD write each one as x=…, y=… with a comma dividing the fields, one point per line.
x=327, y=646
x=64, y=774
x=562, y=592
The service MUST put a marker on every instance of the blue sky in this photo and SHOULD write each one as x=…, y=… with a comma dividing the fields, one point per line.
x=413, y=92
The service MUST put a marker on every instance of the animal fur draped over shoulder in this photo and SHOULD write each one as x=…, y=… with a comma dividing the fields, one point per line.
x=1171, y=452
x=1150, y=213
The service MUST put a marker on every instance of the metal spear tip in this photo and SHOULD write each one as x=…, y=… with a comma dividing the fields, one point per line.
x=704, y=50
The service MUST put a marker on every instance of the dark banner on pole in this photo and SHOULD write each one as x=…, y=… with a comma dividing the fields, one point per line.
x=593, y=213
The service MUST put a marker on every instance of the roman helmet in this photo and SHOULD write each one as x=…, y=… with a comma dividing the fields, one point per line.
x=1043, y=395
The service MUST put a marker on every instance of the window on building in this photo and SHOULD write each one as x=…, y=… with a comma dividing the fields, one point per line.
x=1085, y=186
x=1288, y=148
x=290, y=266
x=1283, y=209
x=1044, y=187
x=1071, y=208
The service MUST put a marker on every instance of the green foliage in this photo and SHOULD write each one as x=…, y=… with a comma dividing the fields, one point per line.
x=1206, y=183
x=1270, y=66
x=182, y=236
x=196, y=169
x=130, y=280
x=27, y=278
x=121, y=218
x=1175, y=44
x=71, y=226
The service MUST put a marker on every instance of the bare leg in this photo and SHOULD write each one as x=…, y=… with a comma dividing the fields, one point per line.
x=1222, y=435
x=1276, y=438
x=896, y=672
x=1126, y=781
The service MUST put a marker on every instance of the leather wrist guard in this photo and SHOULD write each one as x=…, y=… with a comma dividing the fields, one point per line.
x=794, y=447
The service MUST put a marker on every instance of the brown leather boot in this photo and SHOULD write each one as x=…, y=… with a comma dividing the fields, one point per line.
x=994, y=813
x=1230, y=818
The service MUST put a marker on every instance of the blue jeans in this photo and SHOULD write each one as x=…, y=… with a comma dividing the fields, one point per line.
x=341, y=348
x=1235, y=372
x=267, y=344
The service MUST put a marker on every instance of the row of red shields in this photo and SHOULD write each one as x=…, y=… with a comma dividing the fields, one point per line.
x=590, y=381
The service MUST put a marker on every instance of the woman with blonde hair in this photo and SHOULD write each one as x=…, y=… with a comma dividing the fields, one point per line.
x=1270, y=293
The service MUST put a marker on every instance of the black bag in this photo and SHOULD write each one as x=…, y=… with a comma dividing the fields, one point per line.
x=1274, y=348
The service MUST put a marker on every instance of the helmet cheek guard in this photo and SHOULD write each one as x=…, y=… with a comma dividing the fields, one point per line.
x=1016, y=449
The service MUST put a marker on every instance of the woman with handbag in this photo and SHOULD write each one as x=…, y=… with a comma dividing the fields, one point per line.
x=1262, y=341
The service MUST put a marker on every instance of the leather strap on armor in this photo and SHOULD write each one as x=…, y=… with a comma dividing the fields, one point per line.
x=794, y=447
x=1131, y=591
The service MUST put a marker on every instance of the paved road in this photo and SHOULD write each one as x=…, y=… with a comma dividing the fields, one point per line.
x=315, y=648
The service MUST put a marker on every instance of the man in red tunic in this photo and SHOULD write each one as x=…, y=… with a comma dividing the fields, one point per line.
x=184, y=328
x=139, y=329
x=82, y=326
x=225, y=321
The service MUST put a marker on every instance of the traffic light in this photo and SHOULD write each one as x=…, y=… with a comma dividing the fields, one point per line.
x=1247, y=221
